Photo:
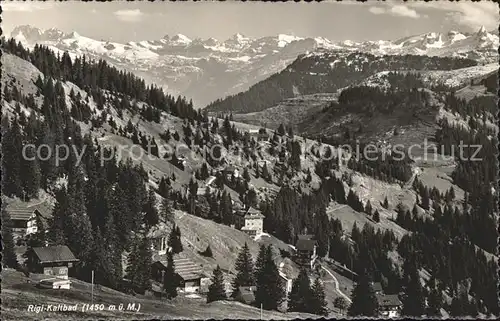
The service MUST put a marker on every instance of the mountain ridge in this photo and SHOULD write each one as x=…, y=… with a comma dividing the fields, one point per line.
x=209, y=69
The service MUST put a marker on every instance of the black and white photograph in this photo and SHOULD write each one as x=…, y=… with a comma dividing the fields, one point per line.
x=249, y=160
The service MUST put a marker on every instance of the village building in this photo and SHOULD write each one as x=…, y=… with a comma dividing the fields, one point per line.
x=24, y=218
x=51, y=260
x=246, y=294
x=249, y=220
x=189, y=274
x=389, y=305
x=230, y=171
x=377, y=288
x=306, y=251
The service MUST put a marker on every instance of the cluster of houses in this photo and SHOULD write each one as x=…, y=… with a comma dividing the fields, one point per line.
x=55, y=261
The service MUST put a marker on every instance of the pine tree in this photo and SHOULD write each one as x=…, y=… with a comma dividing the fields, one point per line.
x=174, y=240
x=151, y=216
x=59, y=218
x=78, y=230
x=226, y=208
x=340, y=303
x=376, y=216
x=318, y=305
x=434, y=300
x=281, y=130
x=364, y=302
x=178, y=236
x=102, y=263
x=164, y=187
x=265, y=173
x=9, y=257
x=11, y=160
x=386, y=203
x=270, y=292
x=216, y=291
x=413, y=300
x=170, y=281
x=207, y=252
x=246, y=175
x=113, y=249
x=167, y=213
x=244, y=270
x=139, y=264
x=368, y=208
x=301, y=297
x=30, y=175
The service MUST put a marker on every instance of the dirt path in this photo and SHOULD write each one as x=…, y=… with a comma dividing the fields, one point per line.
x=337, y=285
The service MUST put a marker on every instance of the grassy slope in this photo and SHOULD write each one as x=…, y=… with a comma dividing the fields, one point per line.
x=17, y=294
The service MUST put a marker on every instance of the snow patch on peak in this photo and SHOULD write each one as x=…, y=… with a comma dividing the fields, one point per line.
x=180, y=38
x=239, y=36
x=284, y=40
x=288, y=38
x=74, y=34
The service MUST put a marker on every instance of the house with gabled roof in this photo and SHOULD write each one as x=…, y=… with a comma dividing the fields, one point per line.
x=188, y=273
x=305, y=254
x=51, y=260
x=246, y=294
x=249, y=220
x=389, y=305
x=24, y=217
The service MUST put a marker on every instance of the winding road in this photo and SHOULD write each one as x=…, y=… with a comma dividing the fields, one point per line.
x=337, y=288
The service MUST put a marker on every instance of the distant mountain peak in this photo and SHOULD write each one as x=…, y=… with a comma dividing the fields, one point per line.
x=180, y=38
x=238, y=36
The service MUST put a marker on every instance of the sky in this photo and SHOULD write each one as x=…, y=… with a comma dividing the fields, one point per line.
x=132, y=21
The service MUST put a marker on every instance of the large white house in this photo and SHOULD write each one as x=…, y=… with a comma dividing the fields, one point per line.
x=250, y=221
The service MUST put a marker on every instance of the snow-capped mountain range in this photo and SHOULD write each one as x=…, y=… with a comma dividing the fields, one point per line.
x=205, y=70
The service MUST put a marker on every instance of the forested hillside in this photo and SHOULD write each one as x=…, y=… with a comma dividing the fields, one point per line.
x=326, y=72
x=386, y=219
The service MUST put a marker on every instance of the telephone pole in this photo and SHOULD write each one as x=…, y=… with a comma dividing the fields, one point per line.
x=92, y=291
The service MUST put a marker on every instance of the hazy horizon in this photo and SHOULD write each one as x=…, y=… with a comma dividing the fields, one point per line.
x=132, y=21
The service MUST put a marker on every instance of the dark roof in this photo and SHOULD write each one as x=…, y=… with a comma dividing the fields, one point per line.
x=230, y=169
x=50, y=254
x=252, y=212
x=377, y=287
x=388, y=300
x=305, y=245
x=23, y=211
x=305, y=237
x=246, y=294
